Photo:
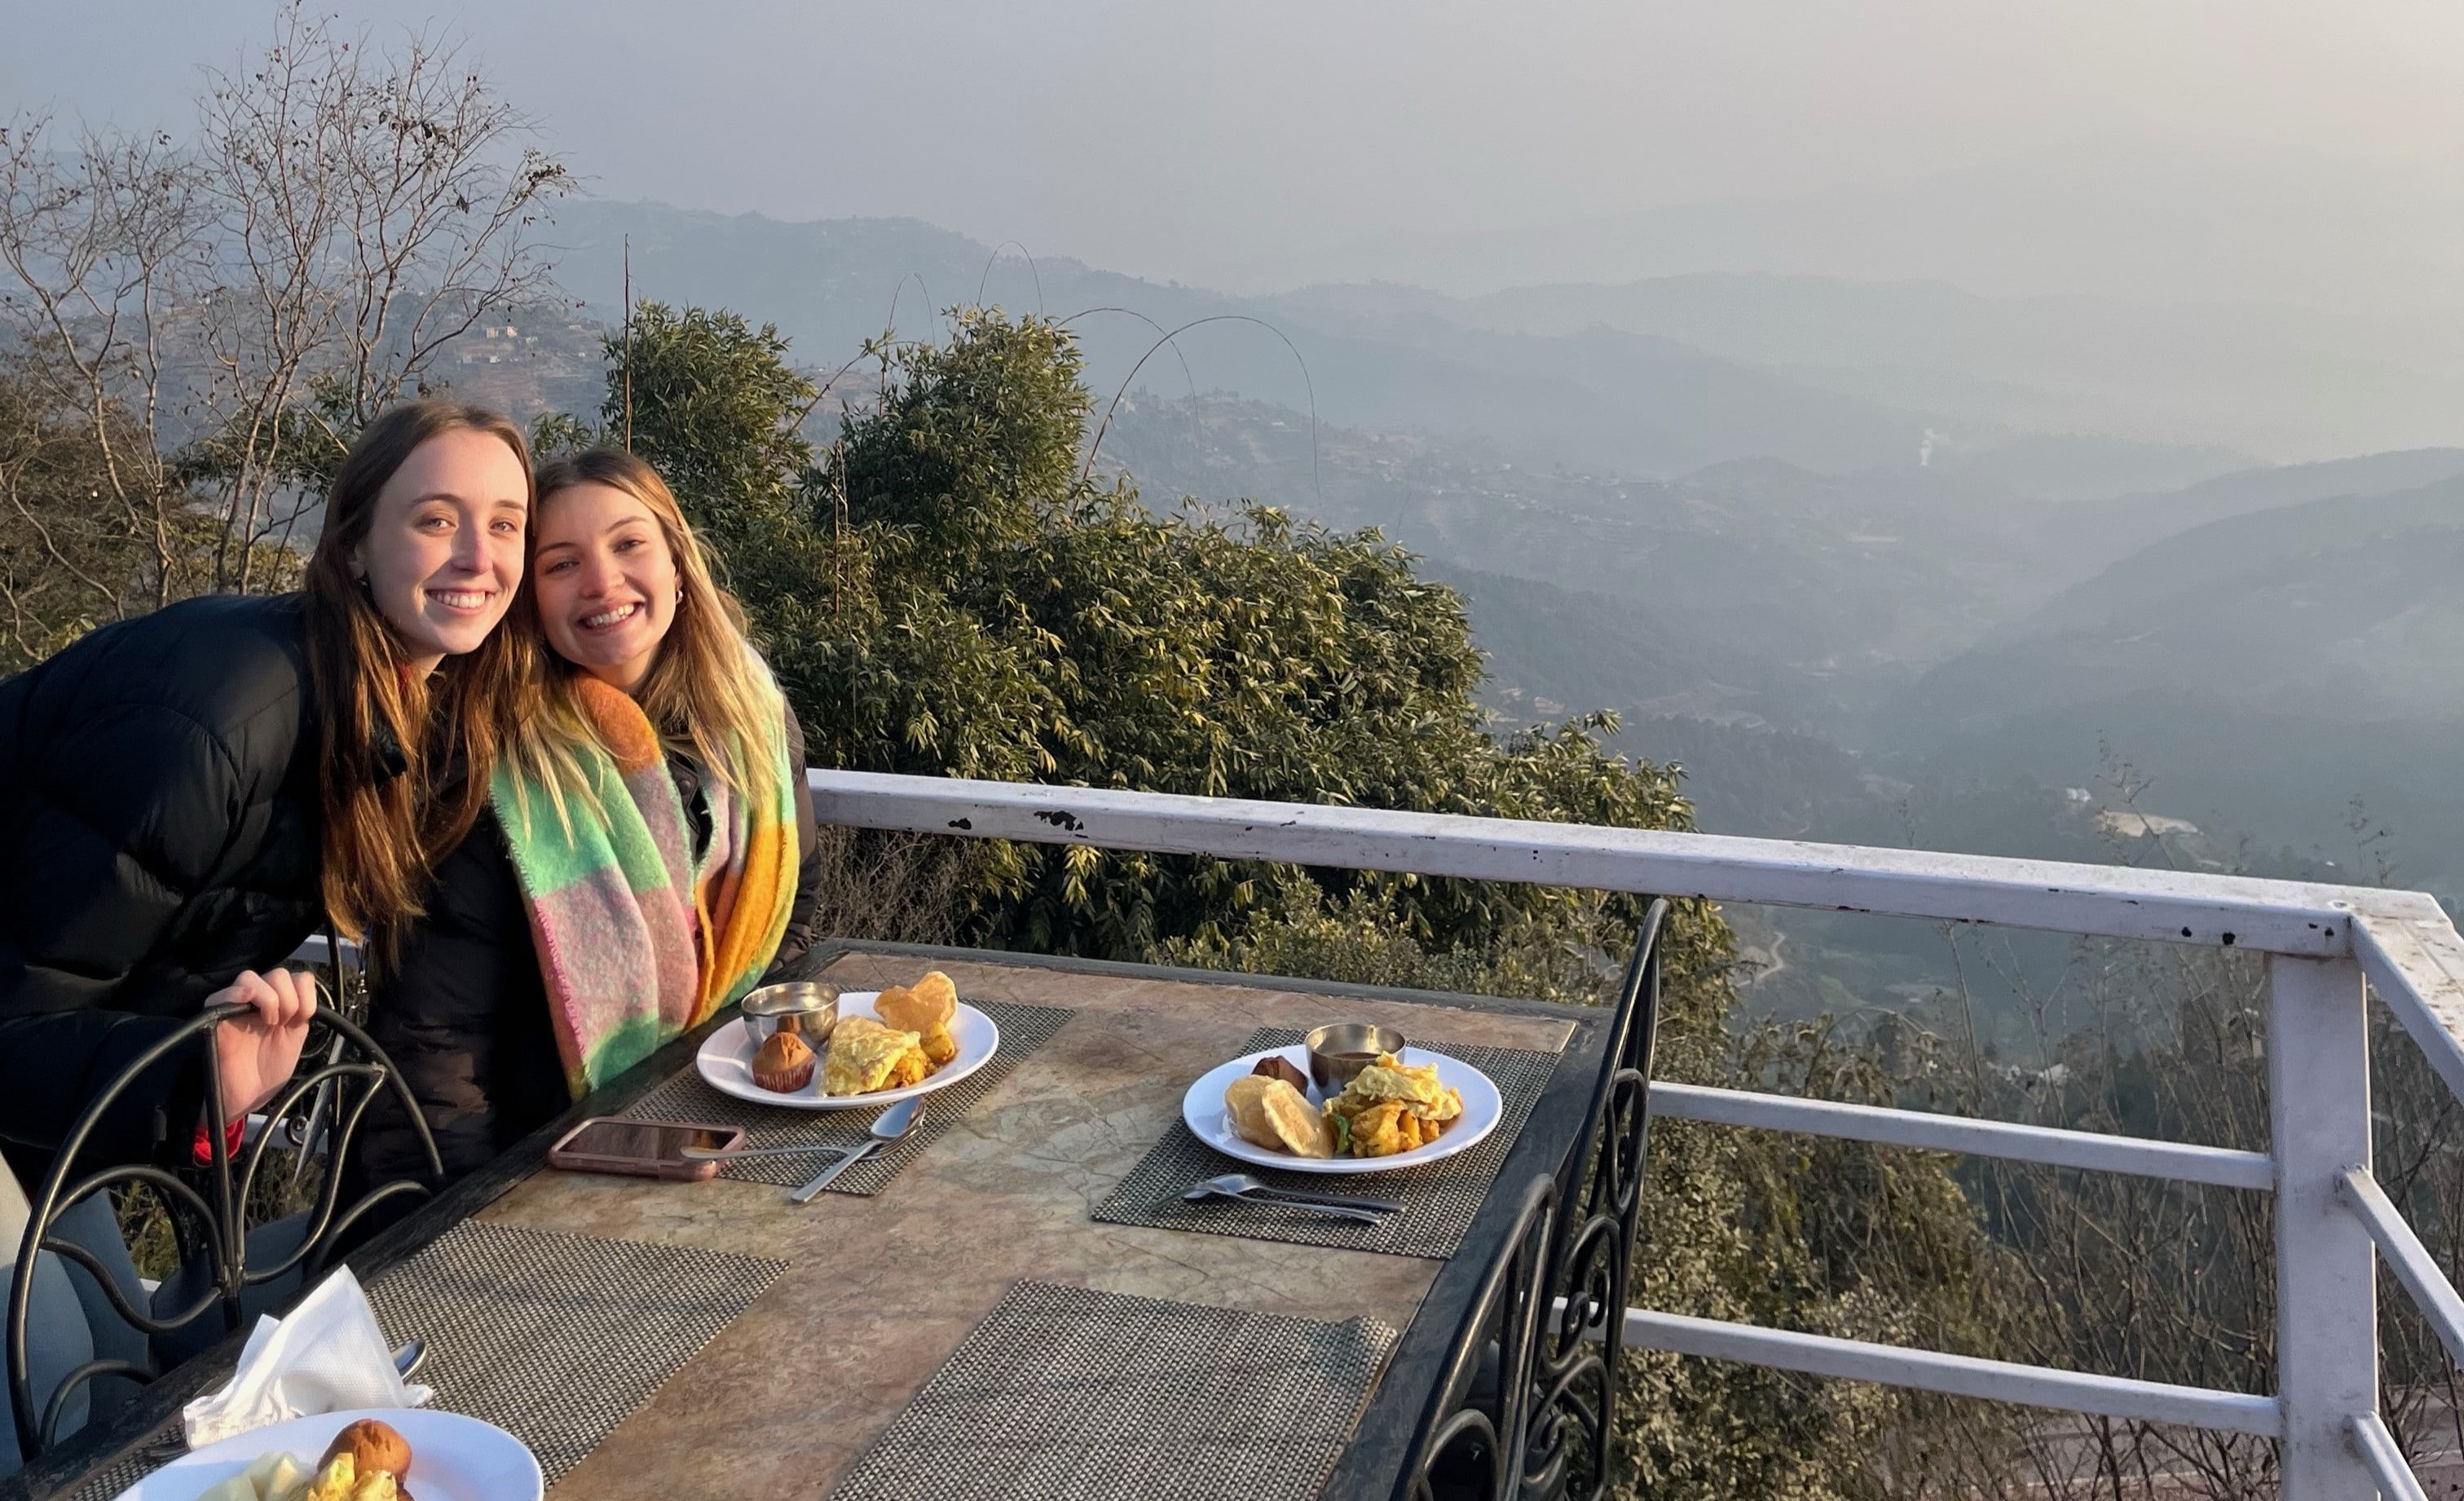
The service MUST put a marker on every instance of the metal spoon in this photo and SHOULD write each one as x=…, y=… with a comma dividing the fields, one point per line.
x=887, y=1127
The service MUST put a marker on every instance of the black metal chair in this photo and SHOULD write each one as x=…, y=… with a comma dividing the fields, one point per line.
x=319, y=1112
x=1468, y=1443
x=1567, y=1450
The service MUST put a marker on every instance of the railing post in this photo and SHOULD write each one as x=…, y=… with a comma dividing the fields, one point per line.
x=2326, y=1303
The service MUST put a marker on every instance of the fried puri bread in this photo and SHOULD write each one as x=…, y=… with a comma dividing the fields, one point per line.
x=866, y=1056
x=925, y=1008
x=929, y=1003
x=1270, y=1113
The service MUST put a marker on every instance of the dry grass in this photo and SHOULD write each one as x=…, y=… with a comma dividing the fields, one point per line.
x=153, y=1243
x=896, y=888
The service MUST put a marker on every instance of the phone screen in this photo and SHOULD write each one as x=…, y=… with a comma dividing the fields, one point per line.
x=642, y=1140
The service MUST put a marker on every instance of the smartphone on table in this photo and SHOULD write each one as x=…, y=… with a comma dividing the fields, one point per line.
x=642, y=1148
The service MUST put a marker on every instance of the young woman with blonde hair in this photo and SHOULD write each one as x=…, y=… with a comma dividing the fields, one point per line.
x=646, y=855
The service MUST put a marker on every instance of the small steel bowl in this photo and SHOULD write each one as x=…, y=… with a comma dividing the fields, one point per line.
x=1337, y=1053
x=813, y=1003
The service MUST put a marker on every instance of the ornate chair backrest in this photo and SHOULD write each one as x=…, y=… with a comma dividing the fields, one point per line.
x=321, y=1108
x=1468, y=1446
x=1573, y=1408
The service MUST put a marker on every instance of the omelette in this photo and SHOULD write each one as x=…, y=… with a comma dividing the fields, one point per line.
x=866, y=1056
x=1414, y=1085
x=1391, y=1107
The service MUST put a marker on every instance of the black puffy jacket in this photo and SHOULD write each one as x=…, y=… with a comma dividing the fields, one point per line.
x=159, y=833
x=464, y=1013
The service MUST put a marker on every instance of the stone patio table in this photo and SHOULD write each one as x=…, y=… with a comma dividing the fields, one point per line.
x=882, y=1289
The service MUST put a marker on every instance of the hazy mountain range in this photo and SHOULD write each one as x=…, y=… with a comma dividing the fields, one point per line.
x=2279, y=382
x=1833, y=544
x=2114, y=218
x=2068, y=397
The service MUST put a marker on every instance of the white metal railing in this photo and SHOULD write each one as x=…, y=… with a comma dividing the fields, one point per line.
x=2320, y=941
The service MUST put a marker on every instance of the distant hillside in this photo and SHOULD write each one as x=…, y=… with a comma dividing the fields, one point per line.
x=1553, y=651
x=1842, y=585
x=1769, y=784
x=2280, y=773
x=2346, y=606
x=2126, y=523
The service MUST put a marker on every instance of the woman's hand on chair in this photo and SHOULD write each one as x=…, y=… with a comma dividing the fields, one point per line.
x=257, y=1053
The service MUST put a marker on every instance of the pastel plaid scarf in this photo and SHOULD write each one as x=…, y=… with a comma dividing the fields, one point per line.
x=637, y=940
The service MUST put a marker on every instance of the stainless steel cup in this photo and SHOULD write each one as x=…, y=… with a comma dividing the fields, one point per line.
x=814, y=1003
x=1337, y=1053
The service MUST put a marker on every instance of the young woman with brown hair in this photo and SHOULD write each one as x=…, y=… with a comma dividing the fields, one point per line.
x=186, y=796
x=647, y=853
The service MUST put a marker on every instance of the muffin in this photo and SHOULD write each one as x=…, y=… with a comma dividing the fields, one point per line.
x=783, y=1064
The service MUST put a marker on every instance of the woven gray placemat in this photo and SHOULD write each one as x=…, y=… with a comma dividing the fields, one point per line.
x=1439, y=1200
x=1024, y=1029
x=554, y=1338
x=557, y=1338
x=118, y=1476
x=1063, y=1391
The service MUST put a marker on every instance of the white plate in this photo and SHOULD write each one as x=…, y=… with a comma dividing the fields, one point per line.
x=453, y=1458
x=726, y=1061
x=1203, y=1107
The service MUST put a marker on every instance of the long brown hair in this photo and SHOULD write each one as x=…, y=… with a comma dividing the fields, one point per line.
x=392, y=742
x=707, y=691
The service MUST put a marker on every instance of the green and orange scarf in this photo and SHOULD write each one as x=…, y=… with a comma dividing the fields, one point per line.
x=637, y=939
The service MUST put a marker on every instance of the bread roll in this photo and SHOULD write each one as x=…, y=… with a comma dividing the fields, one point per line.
x=372, y=1446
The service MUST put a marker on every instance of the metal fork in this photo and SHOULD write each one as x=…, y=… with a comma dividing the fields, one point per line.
x=887, y=1127
x=717, y=1155
x=1242, y=1186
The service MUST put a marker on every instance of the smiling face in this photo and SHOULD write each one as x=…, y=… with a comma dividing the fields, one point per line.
x=444, y=550
x=606, y=581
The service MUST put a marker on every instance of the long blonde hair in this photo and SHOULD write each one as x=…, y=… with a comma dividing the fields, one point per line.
x=706, y=694
x=390, y=739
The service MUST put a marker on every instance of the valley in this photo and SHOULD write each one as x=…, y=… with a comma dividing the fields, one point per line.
x=1874, y=562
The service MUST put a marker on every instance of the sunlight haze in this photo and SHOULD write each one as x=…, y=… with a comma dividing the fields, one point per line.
x=2296, y=152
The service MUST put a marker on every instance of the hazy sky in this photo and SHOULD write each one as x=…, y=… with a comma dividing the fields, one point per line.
x=2085, y=144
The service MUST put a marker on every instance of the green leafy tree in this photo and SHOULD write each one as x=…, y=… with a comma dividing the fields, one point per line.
x=946, y=591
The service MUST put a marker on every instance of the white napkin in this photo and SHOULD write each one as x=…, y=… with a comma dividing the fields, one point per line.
x=326, y=1356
